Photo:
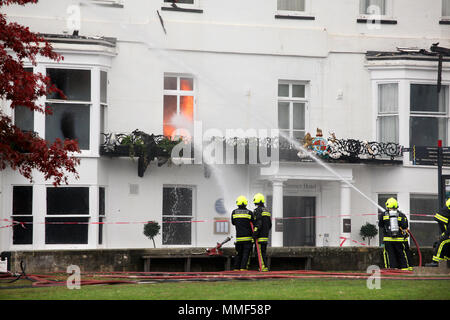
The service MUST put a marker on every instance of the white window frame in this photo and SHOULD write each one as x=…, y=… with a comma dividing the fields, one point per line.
x=442, y=115
x=193, y=216
x=306, y=12
x=388, y=14
x=386, y=114
x=293, y=100
x=178, y=93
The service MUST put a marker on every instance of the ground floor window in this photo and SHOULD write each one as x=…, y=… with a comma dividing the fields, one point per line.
x=177, y=215
x=22, y=211
x=422, y=224
x=67, y=220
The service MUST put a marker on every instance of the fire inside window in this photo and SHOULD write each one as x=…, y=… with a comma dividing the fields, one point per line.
x=178, y=106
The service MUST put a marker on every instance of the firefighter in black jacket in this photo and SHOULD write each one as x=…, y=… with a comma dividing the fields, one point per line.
x=442, y=250
x=242, y=219
x=261, y=229
x=394, y=225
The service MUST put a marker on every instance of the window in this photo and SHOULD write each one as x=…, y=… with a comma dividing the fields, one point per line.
x=101, y=213
x=372, y=7
x=67, y=215
x=428, y=115
x=22, y=212
x=446, y=8
x=422, y=224
x=221, y=226
x=178, y=106
x=24, y=117
x=387, y=121
x=382, y=198
x=103, y=103
x=292, y=106
x=177, y=215
x=71, y=116
x=291, y=5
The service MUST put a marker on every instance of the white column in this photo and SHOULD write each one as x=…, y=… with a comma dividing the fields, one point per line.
x=277, y=211
x=345, y=212
x=39, y=213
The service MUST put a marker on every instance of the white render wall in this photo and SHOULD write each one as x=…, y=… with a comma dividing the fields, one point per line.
x=236, y=51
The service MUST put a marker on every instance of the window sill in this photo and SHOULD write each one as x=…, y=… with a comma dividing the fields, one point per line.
x=444, y=21
x=182, y=9
x=375, y=20
x=106, y=3
x=294, y=17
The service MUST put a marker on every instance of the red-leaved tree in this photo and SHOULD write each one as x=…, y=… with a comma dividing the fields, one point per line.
x=20, y=150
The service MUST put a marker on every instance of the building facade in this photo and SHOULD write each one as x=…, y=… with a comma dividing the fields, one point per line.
x=354, y=69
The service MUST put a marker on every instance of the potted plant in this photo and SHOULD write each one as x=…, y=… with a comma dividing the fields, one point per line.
x=151, y=230
x=368, y=231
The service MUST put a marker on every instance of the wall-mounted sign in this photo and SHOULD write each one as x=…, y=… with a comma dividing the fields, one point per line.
x=347, y=225
x=278, y=225
x=220, y=206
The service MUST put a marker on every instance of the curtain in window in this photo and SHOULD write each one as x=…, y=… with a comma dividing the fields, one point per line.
x=388, y=129
x=291, y=5
x=446, y=8
x=388, y=98
x=371, y=7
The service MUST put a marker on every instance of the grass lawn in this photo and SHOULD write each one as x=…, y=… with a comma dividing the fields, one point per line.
x=286, y=289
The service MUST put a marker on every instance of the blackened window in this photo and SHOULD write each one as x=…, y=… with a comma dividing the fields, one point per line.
x=22, y=215
x=71, y=230
x=75, y=84
x=101, y=213
x=177, y=215
x=23, y=116
x=68, y=201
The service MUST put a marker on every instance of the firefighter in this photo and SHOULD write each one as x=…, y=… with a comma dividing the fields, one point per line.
x=442, y=249
x=242, y=219
x=394, y=225
x=261, y=229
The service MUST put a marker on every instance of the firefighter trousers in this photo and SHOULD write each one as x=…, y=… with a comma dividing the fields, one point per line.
x=442, y=251
x=395, y=255
x=262, y=251
x=242, y=259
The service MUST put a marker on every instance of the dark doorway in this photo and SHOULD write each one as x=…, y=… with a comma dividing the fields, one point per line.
x=299, y=224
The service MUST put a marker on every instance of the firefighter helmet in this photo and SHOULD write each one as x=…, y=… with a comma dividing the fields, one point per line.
x=259, y=198
x=448, y=203
x=241, y=201
x=391, y=203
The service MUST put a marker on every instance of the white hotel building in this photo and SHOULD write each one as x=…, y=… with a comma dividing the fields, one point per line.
x=293, y=65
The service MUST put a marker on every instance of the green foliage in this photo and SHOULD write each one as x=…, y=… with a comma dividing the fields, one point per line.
x=368, y=231
x=151, y=230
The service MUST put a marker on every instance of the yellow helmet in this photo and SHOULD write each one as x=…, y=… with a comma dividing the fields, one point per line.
x=259, y=198
x=448, y=203
x=241, y=201
x=391, y=203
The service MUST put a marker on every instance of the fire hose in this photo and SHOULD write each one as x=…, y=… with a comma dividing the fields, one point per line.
x=417, y=246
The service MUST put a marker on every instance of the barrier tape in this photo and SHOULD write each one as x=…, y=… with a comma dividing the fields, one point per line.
x=13, y=222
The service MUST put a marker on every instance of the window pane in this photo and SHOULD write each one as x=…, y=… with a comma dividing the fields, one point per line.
x=299, y=116
x=69, y=121
x=170, y=83
x=66, y=230
x=176, y=230
x=177, y=201
x=75, y=84
x=298, y=91
x=187, y=107
x=22, y=200
x=425, y=233
x=186, y=84
x=68, y=200
x=284, y=139
x=446, y=8
x=373, y=7
x=170, y=110
x=388, y=129
x=291, y=5
x=421, y=205
x=283, y=90
x=24, y=118
x=103, y=86
x=23, y=234
x=299, y=135
x=101, y=201
x=283, y=115
x=427, y=131
x=388, y=98
x=424, y=98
